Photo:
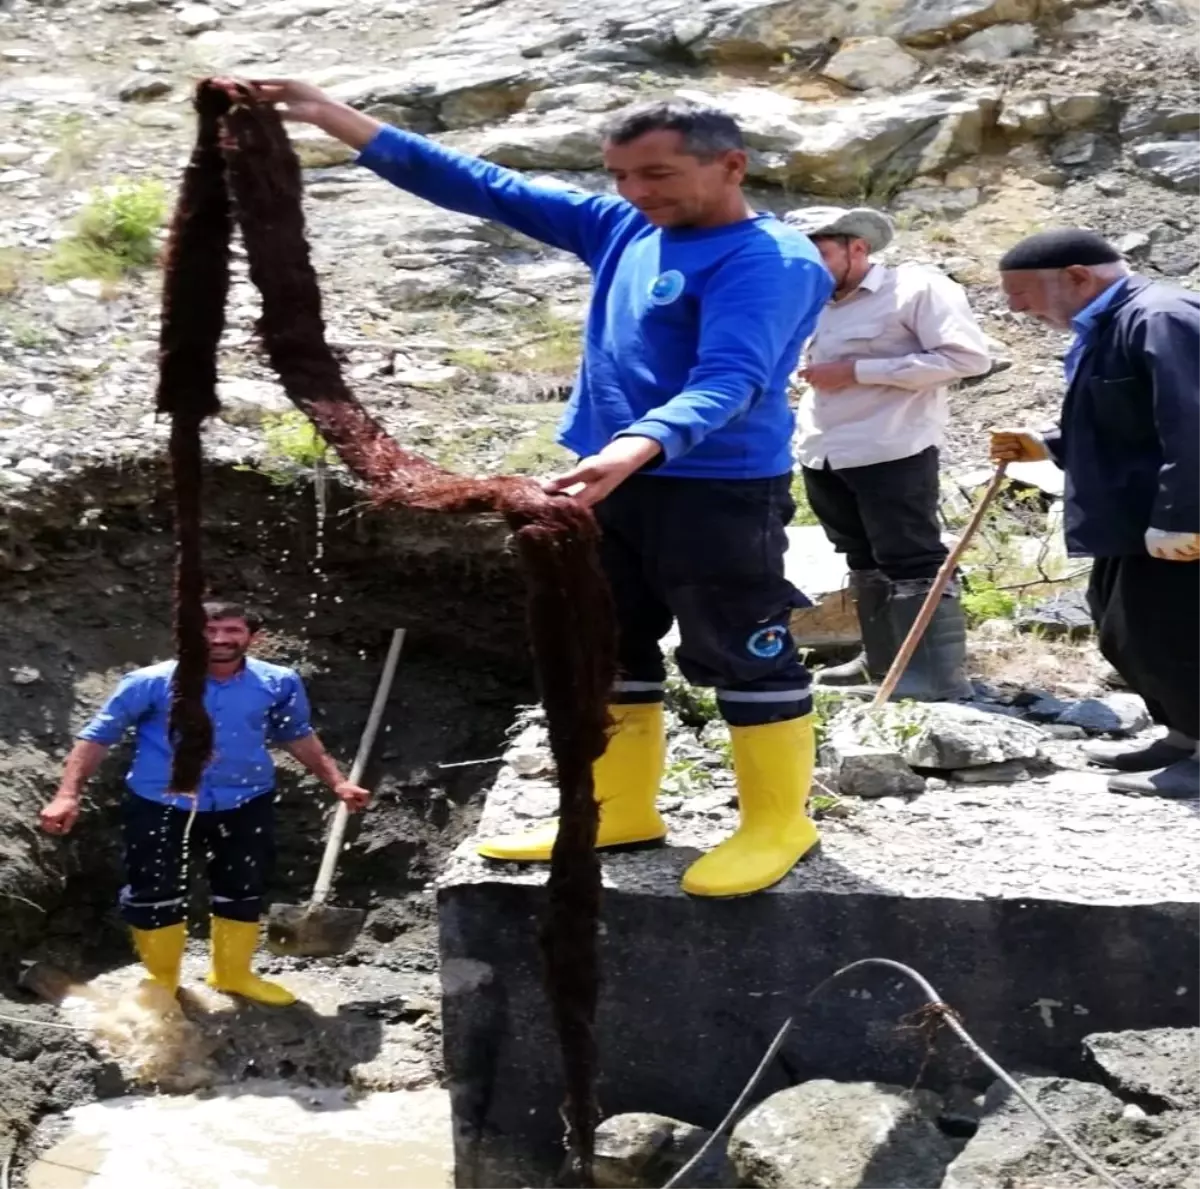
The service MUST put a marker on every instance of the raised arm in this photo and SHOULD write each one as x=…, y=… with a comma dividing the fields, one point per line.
x=573, y=220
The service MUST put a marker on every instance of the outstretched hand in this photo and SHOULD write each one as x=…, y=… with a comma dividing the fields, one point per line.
x=598, y=476
x=297, y=101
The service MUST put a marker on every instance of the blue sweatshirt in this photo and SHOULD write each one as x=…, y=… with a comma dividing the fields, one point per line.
x=261, y=705
x=691, y=335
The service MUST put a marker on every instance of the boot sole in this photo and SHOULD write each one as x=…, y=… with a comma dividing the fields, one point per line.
x=1113, y=764
x=615, y=848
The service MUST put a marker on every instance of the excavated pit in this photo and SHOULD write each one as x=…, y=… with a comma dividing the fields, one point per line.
x=85, y=596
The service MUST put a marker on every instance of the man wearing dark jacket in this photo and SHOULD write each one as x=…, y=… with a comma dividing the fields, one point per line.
x=1129, y=441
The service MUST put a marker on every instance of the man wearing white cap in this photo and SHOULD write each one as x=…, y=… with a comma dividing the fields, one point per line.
x=885, y=349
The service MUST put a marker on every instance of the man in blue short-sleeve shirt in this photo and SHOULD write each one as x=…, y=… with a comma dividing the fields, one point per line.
x=253, y=706
x=681, y=423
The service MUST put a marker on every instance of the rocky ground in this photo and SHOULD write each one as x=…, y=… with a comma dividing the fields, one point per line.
x=974, y=122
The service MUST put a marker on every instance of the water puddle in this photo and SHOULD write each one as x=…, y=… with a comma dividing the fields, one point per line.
x=255, y=1135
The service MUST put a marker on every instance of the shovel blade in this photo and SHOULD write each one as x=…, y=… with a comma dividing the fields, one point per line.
x=307, y=931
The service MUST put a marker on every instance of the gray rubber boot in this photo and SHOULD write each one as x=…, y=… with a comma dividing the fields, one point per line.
x=1128, y=756
x=937, y=671
x=1179, y=782
x=870, y=590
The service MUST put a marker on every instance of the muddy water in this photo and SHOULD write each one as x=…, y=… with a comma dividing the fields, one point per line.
x=255, y=1136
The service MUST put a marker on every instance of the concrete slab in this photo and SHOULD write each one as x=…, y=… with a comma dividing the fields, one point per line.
x=1042, y=911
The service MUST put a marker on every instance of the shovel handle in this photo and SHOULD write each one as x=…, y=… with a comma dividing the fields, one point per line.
x=337, y=831
x=935, y=592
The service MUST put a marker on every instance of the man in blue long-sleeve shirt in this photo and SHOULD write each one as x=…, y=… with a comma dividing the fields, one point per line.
x=680, y=419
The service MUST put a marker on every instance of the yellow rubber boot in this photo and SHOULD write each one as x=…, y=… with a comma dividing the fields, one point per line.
x=161, y=953
x=233, y=946
x=774, y=767
x=626, y=778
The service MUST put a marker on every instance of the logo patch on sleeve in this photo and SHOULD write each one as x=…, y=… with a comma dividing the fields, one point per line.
x=768, y=642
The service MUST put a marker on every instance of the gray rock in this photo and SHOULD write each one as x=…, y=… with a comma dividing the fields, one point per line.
x=1173, y=163
x=929, y=21
x=1159, y=1067
x=998, y=43
x=643, y=1151
x=197, y=18
x=856, y=1135
x=941, y=736
x=871, y=772
x=140, y=88
x=250, y=402
x=586, y=97
x=1003, y=773
x=1115, y=714
x=1013, y=1149
x=1047, y=709
x=1064, y=614
x=1154, y=119
x=1081, y=109
x=872, y=62
x=1077, y=149
x=566, y=145
x=286, y=12
x=1136, y=243
x=840, y=149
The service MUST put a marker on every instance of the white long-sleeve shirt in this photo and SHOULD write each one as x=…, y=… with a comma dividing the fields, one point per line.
x=911, y=332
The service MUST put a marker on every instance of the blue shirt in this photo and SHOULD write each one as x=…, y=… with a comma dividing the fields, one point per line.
x=263, y=704
x=691, y=334
x=1084, y=323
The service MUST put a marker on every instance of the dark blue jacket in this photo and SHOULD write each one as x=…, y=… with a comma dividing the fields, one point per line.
x=1129, y=435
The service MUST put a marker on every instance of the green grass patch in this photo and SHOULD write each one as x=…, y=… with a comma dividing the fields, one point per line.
x=115, y=234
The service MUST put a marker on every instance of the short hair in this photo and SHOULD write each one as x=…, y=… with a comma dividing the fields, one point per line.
x=706, y=131
x=223, y=609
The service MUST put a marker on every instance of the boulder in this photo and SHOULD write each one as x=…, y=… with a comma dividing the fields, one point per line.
x=869, y=62
x=1115, y=714
x=643, y=1151
x=1159, y=1068
x=942, y=736
x=197, y=18
x=250, y=402
x=1173, y=163
x=999, y=42
x=933, y=22
x=846, y=149
x=1013, y=1149
x=842, y=1135
x=1155, y=119
x=1063, y=614
x=570, y=145
x=871, y=772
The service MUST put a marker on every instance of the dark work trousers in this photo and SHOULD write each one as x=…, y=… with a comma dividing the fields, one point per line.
x=1147, y=614
x=238, y=846
x=709, y=554
x=883, y=516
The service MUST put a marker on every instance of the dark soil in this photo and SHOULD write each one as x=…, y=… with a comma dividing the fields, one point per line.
x=85, y=597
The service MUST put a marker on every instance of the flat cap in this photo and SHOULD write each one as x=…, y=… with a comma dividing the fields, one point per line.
x=860, y=222
x=1059, y=249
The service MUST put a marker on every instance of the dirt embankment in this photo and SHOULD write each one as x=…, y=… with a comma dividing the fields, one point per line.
x=85, y=597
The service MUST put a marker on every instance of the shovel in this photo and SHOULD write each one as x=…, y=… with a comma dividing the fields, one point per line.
x=314, y=930
x=935, y=592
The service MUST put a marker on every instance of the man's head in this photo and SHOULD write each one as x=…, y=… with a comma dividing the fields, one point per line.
x=1053, y=275
x=230, y=630
x=681, y=164
x=846, y=238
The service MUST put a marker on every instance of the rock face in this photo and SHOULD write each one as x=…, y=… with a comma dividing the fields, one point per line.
x=870, y=62
x=859, y=1135
x=1174, y=163
x=872, y=772
x=852, y=147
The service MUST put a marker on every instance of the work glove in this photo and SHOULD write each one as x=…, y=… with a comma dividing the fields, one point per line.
x=1017, y=445
x=1172, y=546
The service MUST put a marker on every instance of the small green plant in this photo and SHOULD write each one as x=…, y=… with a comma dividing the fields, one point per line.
x=983, y=600
x=941, y=234
x=73, y=148
x=11, y=271
x=114, y=234
x=827, y=705
x=29, y=335
x=553, y=345
x=804, y=513
x=475, y=359
x=686, y=778
x=292, y=438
